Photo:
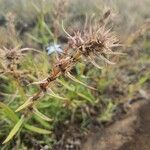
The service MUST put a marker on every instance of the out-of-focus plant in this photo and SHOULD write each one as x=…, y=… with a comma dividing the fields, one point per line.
x=47, y=32
x=42, y=32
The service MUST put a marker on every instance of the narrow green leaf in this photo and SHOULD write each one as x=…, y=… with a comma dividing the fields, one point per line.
x=78, y=81
x=35, y=7
x=84, y=96
x=14, y=130
x=55, y=95
x=48, y=30
x=36, y=112
x=107, y=114
x=9, y=112
x=42, y=122
x=44, y=105
x=70, y=88
x=36, y=129
x=34, y=38
x=73, y=90
x=25, y=105
x=143, y=79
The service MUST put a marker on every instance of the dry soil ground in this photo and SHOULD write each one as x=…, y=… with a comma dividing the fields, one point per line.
x=132, y=132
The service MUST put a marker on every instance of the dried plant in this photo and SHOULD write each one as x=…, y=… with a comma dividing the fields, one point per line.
x=11, y=58
x=134, y=36
x=13, y=39
x=58, y=13
x=96, y=43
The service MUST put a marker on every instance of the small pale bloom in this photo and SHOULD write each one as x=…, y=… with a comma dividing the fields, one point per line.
x=54, y=48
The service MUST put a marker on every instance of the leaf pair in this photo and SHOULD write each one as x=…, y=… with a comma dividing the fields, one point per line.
x=16, y=128
x=19, y=122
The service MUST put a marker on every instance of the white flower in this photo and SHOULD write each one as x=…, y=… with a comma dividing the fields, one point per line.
x=54, y=48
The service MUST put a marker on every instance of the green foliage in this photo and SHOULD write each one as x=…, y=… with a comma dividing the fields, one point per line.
x=8, y=112
x=66, y=100
x=14, y=130
x=108, y=112
x=42, y=33
x=36, y=129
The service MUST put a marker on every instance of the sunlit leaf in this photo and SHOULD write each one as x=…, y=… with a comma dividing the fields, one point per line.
x=36, y=129
x=36, y=112
x=76, y=80
x=143, y=79
x=14, y=130
x=55, y=95
x=108, y=113
x=9, y=112
x=25, y=105
x=85, y=97
x=70, y=88
x=42, y=122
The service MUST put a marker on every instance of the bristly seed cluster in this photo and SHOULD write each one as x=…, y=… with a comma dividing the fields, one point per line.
x=92, y=44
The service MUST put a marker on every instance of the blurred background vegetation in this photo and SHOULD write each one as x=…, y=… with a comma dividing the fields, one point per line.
x=73, y=108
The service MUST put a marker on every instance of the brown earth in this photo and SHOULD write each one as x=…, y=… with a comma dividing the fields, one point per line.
x=132, y=132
